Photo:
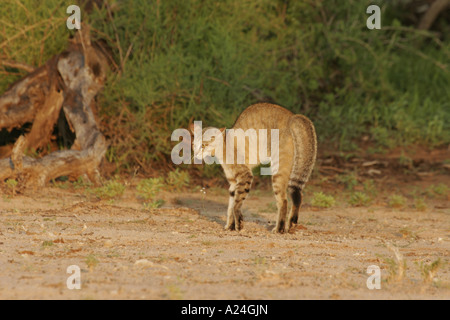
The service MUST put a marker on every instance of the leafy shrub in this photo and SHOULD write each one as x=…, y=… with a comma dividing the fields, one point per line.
x=397, y=201
x=210, y=60
x=359, y=199
x=178, y=179
x=110, y=190
x=148, y=189
x=322, y=200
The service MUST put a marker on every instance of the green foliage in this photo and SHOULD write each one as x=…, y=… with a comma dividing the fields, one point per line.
x=322, y=200
x=370, y=187
x=11, y=185
x=211, y=59
x=31, y=33
x=47, y=243
x=350, y=180
x=397, y=201
x=153, y=204
x=429, y=270
x=420, y=204
x=112, y=189
x=440, y=190
x=359, y=199
x=178, y=179
x=148, y=189
x=91, y=261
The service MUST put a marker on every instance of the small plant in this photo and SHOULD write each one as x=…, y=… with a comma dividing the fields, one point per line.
x=370, y=188
x=111, y=190
x=428, y=271
x=148, y=188
x=153, y=204
x=47, y=243
x=397, y=266
x=91, y=261
x=349, y=180
x=405, y=161
x=322, y=200
x=420, y=204
x=397, y=201
x=359, y=199
x=178, y=179
x=80, y=183
x=440, y=190
x=11, y=185
x=260, y=261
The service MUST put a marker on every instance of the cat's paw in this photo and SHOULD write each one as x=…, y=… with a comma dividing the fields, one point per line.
x=278, y=229
x=229, y=227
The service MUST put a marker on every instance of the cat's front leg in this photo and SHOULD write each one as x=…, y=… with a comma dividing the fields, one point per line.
x=230, y=212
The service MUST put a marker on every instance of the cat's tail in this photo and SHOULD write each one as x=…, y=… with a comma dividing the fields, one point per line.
x=305, y=150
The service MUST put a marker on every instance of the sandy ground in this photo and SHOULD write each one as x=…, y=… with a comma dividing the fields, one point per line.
x=181, y=251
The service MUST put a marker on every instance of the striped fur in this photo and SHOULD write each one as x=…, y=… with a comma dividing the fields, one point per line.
x=297, y=155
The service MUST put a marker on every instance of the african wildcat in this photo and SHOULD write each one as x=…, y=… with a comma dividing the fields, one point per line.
x=297, y=153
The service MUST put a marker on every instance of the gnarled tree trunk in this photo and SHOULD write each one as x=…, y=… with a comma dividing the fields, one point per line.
x=69, y=81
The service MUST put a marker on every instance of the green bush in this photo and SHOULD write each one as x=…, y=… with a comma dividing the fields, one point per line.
x=322, y=200
x=359, y=199
x=211, y=59
x=148, y=189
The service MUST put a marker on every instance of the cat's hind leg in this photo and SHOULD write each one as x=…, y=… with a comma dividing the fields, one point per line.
x=279, y=185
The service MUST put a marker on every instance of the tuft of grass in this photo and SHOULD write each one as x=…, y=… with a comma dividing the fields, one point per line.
x=177, y=179
x=420, y=204
x=322, y=200
x=174, y=292
x=405, y=161
x=359, y=199
x=80, y=183
x=370, y=187
x=47, y=243
x=91, y=261
x=429, y=271
x=349, y=180
x=440, y=191
x=397, y=201
x=113, y=189
x=149, y=188
x=397, y=266
x=153, y=204
x=11, y=185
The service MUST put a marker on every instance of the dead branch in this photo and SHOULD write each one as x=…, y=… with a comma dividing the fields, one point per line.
x=432, y=13
x=69, y=81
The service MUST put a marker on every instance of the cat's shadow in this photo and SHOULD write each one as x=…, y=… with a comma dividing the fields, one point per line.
x=216, y=211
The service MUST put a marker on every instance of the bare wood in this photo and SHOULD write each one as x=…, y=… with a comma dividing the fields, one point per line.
x=430, y=16
x=69, y=81
x=18, y=65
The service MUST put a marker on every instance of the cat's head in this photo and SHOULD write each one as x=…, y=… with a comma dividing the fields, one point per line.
x=206, y=144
